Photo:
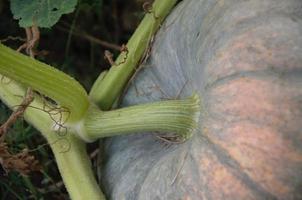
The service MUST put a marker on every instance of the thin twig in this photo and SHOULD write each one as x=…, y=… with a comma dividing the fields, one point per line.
x=32, y=39
x=70, y=33
x=16, y=114
x=109, y=57
x=179, y=170
x=126, y=51
x=90, y=38
x=12, y=38
x=94, y=153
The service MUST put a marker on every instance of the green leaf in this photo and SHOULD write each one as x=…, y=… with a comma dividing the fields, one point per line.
x=42, y=13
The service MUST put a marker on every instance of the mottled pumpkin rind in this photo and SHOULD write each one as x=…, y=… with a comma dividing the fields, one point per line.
x=245, y=59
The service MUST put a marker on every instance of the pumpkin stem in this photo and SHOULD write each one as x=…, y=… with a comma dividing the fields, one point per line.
x=172, y=116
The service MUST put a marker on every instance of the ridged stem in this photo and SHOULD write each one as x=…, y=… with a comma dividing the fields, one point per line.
x=70, y=152
x=109, y=89
x=172, y=116
x=45, y=79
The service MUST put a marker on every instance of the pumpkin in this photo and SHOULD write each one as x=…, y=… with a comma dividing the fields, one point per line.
x=244, y=59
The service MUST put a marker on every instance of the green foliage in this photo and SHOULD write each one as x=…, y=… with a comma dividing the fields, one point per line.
x=41, y=13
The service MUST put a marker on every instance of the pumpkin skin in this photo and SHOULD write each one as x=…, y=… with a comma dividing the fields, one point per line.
x=244, y=58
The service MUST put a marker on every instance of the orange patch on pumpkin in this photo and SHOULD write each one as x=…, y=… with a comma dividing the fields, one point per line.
x=260, y=102
x=254, y=50
x=219, y=178
x=251, y=123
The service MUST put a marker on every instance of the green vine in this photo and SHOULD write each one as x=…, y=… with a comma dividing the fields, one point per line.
x=109, y=89
x=86, y=120
x=45, y=79
x=70, y=151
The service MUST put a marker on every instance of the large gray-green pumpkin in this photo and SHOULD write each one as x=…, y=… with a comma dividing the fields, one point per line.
x=244, y=58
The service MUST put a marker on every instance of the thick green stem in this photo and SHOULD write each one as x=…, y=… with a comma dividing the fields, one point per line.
x=75, y=168
x=45, y=79
x=69, y=150
x=70, y=153
x=176, y=116
x=109, y=89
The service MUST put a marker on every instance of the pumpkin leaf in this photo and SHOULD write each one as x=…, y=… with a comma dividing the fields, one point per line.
x=42, y=13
